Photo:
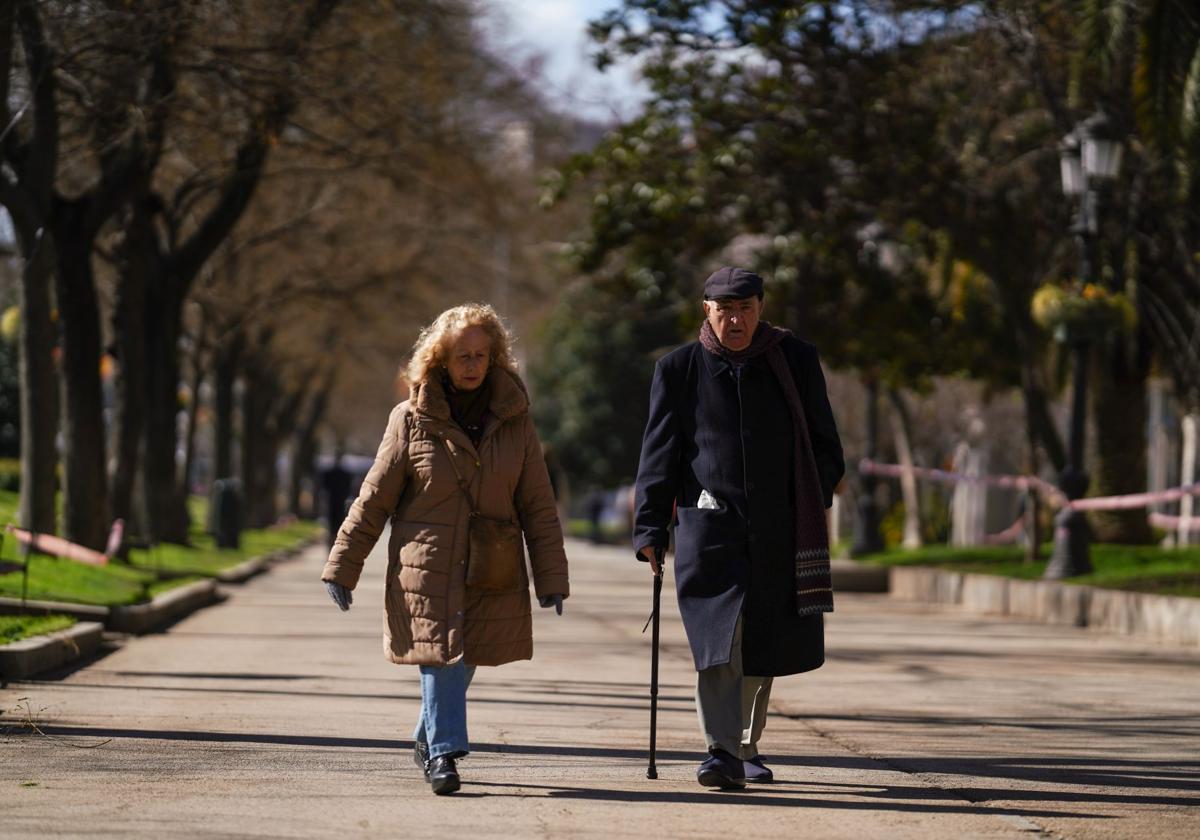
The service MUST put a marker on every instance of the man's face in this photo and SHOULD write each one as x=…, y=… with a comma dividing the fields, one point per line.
x=734, y=321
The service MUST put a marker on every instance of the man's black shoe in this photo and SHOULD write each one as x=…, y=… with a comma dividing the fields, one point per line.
x=421, y=757
x=757, y=771
x=443, y=775
x=721, y=770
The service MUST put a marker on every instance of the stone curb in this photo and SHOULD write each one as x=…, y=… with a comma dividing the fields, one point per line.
x=257, y=565
x=242, y=572
x=27, y=657
x=1161, y=617
x=163, y=609
x=852, y=576
x=82, y=612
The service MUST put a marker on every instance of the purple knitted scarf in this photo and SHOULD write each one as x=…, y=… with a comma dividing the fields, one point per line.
x=814, y=582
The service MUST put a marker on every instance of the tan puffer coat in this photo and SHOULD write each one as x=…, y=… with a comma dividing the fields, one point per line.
x=431, y=618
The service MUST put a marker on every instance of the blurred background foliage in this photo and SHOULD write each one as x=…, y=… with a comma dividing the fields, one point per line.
x=892, y=168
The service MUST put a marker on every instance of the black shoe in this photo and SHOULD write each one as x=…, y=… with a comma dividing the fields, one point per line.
x=757, y=771
x=721, y=770
x=443, y=775
x=421, y=757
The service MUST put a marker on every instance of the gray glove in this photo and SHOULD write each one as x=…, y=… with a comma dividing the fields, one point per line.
x=341, y=596
x=555, y=601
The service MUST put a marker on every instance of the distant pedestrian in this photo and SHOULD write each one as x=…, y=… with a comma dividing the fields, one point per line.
x=742, y=438
x=460, y=474
x=595, y=508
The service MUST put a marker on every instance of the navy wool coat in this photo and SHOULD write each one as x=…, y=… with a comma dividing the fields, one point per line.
x=713, y=428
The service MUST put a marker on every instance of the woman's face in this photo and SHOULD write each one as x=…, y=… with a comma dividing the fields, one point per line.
x=470, y=357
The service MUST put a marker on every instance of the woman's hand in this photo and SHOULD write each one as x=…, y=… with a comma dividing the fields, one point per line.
x=340, y=595
x=555, y=601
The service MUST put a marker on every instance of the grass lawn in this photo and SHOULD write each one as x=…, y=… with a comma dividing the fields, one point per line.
x=203, y=557
x=1135, y=568
x=16, y=627
x=149, y=572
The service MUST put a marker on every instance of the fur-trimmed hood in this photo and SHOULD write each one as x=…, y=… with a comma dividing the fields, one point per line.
x=510, y=397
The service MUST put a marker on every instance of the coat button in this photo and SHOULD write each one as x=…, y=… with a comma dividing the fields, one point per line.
x=460, y=612
x=749, y=486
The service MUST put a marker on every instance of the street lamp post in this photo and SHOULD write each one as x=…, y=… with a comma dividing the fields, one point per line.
x=1090, y=157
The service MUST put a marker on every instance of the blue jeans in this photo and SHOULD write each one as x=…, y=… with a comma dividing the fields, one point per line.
x=443, y=723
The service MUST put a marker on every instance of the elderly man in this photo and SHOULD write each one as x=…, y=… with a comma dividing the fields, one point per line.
x=742, y=445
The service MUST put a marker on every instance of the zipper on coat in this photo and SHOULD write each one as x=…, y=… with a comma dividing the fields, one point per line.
x=450, y=572
x=737, y=378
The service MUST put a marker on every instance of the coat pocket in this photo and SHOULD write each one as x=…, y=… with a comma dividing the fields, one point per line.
x=710, y=552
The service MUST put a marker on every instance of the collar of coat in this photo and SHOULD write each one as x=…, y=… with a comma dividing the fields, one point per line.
x=509, y=396
x=716, y=365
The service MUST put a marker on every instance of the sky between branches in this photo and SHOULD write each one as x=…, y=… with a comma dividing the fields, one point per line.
x=557, y=29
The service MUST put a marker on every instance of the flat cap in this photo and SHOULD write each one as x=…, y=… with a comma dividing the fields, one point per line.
x=731, y=282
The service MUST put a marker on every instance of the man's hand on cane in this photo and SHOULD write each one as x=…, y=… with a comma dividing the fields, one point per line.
x=648, y=553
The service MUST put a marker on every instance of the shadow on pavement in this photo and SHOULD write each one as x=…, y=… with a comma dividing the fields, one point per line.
x=767, y=795
x=1169, y=725
x=1115, y=773
x=344, y=695
x=873, y=655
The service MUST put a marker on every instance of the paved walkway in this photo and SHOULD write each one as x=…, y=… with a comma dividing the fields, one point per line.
x=274, y=715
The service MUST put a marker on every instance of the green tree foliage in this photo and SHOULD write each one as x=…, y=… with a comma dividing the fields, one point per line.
x=827, y=147
x=593, y=383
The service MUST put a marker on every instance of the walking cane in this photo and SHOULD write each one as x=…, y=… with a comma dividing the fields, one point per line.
x=651, y=770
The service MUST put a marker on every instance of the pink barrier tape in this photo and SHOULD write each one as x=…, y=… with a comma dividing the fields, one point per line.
x=1016, y=482
x=1173, y=523
x=58, y=547
x=1008, y=535
x=1136, y=500
x=1053, y=495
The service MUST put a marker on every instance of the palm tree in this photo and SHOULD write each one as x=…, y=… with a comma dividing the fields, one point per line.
x=1152, y=48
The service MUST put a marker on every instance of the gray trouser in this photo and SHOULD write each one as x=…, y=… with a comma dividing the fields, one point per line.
x=732, y=707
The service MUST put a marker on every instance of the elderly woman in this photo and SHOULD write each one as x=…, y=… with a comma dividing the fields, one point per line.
x=461, y=452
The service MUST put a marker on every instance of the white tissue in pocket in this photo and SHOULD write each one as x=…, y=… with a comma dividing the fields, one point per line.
x=707, y=501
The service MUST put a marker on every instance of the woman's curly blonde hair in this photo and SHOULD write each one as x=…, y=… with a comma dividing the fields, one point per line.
x=432, y=348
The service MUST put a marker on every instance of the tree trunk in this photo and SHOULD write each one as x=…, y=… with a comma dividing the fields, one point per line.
x=1038, y=428
x=1033, y=530
x=901, y=432
x=39, y=407
x=130, y=337
x=1038, y=422
x=256, y=400
x=189, y=444
x=304, y=454
x=162, y=322
x=1119, y=410
x=85, y=488
x=305, y=451
x=266, y=507
x=225, y=371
